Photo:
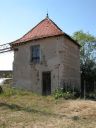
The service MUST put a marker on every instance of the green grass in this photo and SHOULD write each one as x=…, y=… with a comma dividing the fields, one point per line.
x=23, y=109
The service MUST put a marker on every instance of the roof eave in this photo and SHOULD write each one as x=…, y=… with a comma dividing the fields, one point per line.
x=13, y=44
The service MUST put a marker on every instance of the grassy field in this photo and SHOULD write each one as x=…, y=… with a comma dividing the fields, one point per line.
x=22, y=109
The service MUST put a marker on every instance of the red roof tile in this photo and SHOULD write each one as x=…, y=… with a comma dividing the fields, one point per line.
x=46, y=28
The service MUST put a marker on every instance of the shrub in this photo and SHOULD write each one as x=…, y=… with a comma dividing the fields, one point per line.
x=68, y=95
x=10, y=91
x=58, y=93
x=77, y=94
x=91, y=96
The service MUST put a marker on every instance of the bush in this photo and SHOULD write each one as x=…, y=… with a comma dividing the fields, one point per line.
x=91, y=96
x=59, y=93
x=68, y=95
x=77, y=94
x=10, y=91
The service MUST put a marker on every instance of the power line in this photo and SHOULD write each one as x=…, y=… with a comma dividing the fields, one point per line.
x=5, y=48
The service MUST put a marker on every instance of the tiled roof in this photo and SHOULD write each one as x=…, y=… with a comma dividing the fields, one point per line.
x=45, y=28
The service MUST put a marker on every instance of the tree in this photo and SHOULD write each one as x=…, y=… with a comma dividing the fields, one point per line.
x=87, y=55
x=88, y=45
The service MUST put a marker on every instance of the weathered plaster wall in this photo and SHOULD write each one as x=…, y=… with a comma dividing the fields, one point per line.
x=69, y=54
x=29, y=76
x=58, y=55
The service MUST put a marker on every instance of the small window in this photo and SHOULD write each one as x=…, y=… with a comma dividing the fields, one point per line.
x=35, y=53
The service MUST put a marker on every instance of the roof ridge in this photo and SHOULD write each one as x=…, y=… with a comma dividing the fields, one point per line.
x=56, y=25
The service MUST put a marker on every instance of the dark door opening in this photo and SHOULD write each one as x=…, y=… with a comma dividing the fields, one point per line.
x=46, y=83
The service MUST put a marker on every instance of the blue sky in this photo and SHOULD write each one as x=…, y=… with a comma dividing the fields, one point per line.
x=19, y=16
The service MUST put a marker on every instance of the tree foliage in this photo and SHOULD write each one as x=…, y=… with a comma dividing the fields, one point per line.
x=87, y=54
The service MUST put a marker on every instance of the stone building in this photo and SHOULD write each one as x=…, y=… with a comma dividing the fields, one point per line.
x=45, y=59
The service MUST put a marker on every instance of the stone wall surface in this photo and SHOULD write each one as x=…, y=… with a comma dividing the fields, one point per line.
x=57, y=54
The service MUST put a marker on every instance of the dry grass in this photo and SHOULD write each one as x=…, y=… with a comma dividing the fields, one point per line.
x=34, y=111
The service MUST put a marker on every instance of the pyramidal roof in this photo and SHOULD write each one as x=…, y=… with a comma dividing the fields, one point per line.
x=46, y=28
